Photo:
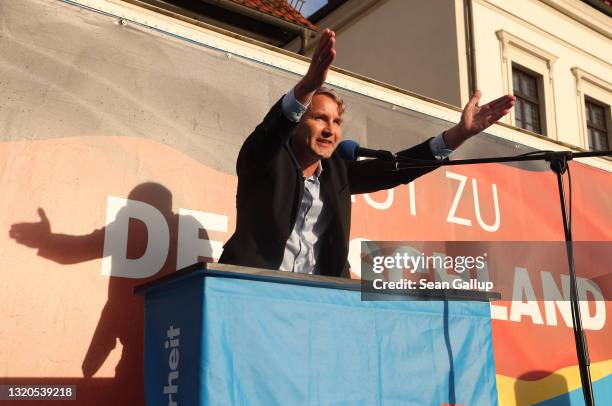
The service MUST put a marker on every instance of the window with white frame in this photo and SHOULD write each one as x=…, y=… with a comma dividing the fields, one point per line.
x=597, y=122
x=528, y=108
x=527, y=73
x=593, y=98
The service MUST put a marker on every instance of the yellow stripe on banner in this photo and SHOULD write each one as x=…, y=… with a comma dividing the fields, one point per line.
x=512, y=391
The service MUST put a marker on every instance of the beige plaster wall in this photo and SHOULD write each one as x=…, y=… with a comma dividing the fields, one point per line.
x=409, y=44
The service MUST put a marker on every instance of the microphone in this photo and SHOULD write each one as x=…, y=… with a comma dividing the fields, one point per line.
x=350, y=151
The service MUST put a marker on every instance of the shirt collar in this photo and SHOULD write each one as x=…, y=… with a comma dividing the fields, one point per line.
x=319, y=169
x=317, y=172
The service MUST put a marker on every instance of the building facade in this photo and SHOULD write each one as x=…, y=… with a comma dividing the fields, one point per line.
x=554, y=55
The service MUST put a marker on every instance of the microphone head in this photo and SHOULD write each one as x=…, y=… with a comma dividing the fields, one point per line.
x=347, y=150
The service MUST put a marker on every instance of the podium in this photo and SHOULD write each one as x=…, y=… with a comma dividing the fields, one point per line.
x=219, y=334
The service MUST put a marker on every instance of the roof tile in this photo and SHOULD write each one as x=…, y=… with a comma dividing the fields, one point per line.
x=277, y=8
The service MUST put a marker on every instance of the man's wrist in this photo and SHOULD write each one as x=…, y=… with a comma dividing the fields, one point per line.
x=439, y=148
x=444, y=139
x=303, y=93
x=454, y=137
x=293, y=109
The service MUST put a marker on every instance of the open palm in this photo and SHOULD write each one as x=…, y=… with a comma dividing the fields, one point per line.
x=475, y=118
x=324, y=55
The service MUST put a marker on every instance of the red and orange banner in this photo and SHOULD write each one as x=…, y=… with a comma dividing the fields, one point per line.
x=117, y=150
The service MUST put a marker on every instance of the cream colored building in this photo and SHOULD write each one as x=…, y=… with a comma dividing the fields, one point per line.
x=555, y=55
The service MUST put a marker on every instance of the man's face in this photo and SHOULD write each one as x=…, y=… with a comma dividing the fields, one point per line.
x=318, y=133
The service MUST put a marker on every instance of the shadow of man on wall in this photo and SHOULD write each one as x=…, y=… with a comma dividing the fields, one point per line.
x=122, y=317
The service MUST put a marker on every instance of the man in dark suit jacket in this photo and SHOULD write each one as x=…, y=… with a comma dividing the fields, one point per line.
x=293, y=199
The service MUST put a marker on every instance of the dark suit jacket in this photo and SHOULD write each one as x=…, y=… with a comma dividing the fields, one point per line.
x=270, y=189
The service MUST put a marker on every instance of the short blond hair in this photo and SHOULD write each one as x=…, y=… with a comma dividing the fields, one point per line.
x=327, y=91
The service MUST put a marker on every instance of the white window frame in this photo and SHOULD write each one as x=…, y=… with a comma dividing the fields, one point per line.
x=515, y=50
x=590, y=86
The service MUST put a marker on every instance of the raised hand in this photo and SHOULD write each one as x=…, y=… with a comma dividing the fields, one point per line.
x=324, y=55
x=475, y=118
x=32, y=234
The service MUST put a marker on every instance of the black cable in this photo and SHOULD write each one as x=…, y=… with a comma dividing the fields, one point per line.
x=543, y=152
x=569, y=188
x=434, y=162
x=415, y=160
x=402, y=167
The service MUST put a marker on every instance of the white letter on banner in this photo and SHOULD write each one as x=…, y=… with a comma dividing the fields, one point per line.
x=115, y=261
x=484, y=226
x=598, y=320
x=522, y=288
x=412, y=198
x=190, y=246
x=380, y=206
x=451, y=218
x=354, y=256
x=553, y=298
x=499, y=312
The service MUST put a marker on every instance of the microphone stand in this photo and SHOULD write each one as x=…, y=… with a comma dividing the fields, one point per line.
x=558, y=164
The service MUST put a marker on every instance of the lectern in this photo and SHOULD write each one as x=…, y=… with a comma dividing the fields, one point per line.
x=227, y=335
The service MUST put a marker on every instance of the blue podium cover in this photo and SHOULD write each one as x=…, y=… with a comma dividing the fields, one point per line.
x=212, y=339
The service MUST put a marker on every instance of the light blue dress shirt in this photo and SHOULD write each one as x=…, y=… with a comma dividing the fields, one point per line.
x=303, y=245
